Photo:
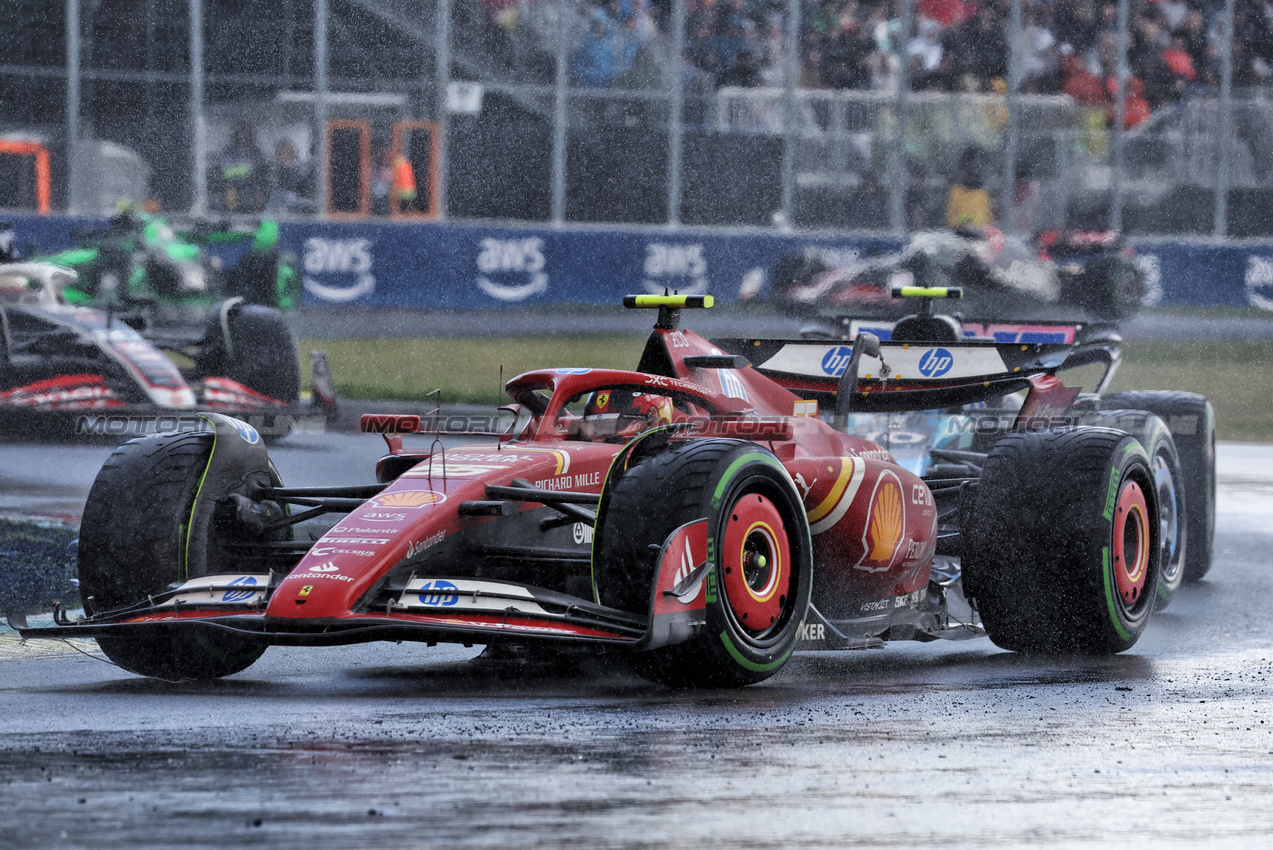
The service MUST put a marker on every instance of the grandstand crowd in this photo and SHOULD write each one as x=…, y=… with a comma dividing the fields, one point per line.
x=1065, y=46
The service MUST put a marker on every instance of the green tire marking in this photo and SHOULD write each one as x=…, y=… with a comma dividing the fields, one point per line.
x=732, y=469
x=1111, y=496
x=189, y=531
x=1109, y=596
x=622, y=454
x=752, y=665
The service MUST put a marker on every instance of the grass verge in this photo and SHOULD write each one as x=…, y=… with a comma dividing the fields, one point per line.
x=467, y=371
x=1237, y=376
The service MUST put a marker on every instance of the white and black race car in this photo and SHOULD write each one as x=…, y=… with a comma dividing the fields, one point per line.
x=68, y=363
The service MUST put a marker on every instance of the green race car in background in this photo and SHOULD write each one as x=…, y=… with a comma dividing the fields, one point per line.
x=142, y=262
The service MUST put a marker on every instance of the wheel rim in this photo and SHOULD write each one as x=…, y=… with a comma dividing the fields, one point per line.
x=1131, y=544
x=1168, y=516
x=756, y=563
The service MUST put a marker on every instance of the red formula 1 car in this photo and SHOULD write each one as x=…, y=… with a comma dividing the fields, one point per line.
x=695, y=515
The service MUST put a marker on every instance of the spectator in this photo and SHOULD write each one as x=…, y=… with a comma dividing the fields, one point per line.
x=393, y=186
x=292, y=186
x=844, y=61
x=980, y=49
x=1075, y=25
x=1135, y=107
x=926, y=47
x=1037, y=51
x=242, y=172
x=968, y=204
x=745, y=72
x=593, y=62
x=1180, y=63
x=1080, y=83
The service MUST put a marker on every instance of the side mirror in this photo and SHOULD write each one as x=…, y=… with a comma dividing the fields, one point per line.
x=868, y=344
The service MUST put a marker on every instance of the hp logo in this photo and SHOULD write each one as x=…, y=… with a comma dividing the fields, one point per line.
x=835, y=361
x=935, y=363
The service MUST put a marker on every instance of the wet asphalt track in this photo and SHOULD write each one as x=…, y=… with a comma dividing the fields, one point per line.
x=937, y=745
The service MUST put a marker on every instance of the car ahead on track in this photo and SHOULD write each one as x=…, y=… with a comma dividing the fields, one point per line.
x=59, y=360
x=1074, y=275
x=696, y=515
x=1176, y=428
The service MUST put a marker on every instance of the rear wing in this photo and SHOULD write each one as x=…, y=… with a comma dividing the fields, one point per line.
x=907, y=376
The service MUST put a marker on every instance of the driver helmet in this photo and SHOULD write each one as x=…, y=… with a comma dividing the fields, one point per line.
x=622, y=413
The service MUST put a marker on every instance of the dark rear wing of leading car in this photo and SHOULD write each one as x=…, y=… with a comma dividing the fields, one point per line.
x=919, y=376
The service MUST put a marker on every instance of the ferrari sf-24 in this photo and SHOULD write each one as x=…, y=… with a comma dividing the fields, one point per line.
x=700, y=517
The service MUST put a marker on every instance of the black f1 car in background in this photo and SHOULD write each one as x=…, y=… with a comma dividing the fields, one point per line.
x=697, y=516
x=58, y=358
x=1067, y=276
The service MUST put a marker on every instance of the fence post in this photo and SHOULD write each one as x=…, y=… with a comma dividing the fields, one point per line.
x=72, y=103
x=198, y=124
x=1120, y=116
x=561, y=117
x=442, y=54
x=1221, y=225
x=676, y=123
x=1008, y=194
x=320, y=104
x=791, y=50
x=899, y=168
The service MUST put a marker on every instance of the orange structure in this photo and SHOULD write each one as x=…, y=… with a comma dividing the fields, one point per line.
x=402, y=132
x=363, y=131
x=41, y=156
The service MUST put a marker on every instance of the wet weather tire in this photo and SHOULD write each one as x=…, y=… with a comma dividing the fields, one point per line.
x=1060, y=542
x=1169, y=484
x=761, y=574
x=133, y=544
x=1192, y=422
x=253, y=345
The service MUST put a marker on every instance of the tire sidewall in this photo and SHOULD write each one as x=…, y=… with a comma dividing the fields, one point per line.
x=1154, y=435
x=1130, y=463
x=751, y=469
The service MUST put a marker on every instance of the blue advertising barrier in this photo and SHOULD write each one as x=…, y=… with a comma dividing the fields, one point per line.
x=449, y=266
x=460, y=266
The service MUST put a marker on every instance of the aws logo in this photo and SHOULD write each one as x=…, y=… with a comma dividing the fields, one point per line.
x=885, y=525
x=679, y=267
x=344, y=258
x=512, y=269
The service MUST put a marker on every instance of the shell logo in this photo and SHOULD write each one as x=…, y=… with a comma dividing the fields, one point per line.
x=885, y=526
x=409, y=499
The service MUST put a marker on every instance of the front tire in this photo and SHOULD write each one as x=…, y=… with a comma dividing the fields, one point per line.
x=1060, y=542
x=133, y=543
x=761, y=572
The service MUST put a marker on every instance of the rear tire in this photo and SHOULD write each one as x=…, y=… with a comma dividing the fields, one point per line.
x=760, y=580
x=254, y=346
x=1169, y=484
x=1192, y=422
x=133, y=544
x=1060, y=542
